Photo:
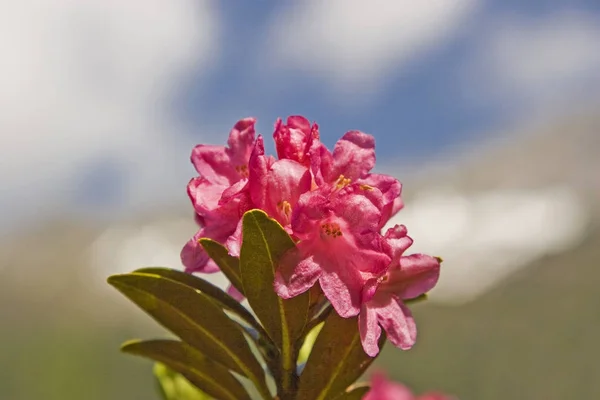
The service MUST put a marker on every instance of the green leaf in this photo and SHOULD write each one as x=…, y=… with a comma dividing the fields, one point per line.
x=173, y=386
x=229, y=265
x=308, y=344
x=336, y=360
x=202, y=372
x=215, y=293
x=195, y=318
x=264, y=243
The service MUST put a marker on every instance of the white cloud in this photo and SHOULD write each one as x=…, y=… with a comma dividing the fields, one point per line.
x=357, y=44
x=537, y=63
x=87, y=79
x=486, y=237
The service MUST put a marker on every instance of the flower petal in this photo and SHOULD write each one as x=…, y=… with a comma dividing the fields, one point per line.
x=384, y=389
x=241, y=141
x=343, y=288
x=321, y=163
x=295, y=275
x=233, y=292
x=226, y=166
x=353, y=156
x=204, y=195
x=398, y=322
x=234, y=241
x=370, y=331
x=390, y=189
x=213, y=163
x=416, y=274
x=294, y=139
x=360, y=208
x=397, y=242
x=194, y=258
x=276, y=188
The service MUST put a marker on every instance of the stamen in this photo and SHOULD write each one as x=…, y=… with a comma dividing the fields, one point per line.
x=242, y=170
x=342, y=182
x=331, y=229
x=285, y=207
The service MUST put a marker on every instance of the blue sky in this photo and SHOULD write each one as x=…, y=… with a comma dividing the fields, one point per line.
x=420, y=111
x=105, y=122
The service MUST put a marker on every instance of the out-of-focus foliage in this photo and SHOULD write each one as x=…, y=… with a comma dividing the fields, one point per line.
x=173, y=386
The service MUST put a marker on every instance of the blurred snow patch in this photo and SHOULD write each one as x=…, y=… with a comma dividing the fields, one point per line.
x=123, y=249
x=483, y=238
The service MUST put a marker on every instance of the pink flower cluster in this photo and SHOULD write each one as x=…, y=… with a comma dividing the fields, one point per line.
x=335, y=209
x=383, y=389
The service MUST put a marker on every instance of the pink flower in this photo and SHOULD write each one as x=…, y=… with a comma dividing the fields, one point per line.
x=226, y=165
x=407, y=277
x=294, y=139
x=340, y=245
x=384, y=389
x=352, y=160
x=276, y=186
x=219, y=195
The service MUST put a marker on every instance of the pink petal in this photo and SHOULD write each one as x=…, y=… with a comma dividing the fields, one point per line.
x=204, y=194
x=370, y=331
x=390, y=189
x=353, y=156
x=293, y=140
x=309, y=210
x=213, y=163
x=234, y=242
x=194, y=258
x=233, y=292
x=384, y=389
x=299, y=122
x=398, y=205
x=397, y=242
x=295, y=275
x=397, y=321
x=226, y=166
x=321, y=163
x=360, y=208
x=416, y=274
x=276, y=188
x=343, y=288
x=241, y=141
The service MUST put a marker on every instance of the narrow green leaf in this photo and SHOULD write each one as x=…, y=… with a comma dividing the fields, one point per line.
x=229, y=265
x=212, y=291
x=195, y=318
x=173, y=386
x=336, y=360
x=202, y=372
x=264, y=243
x=309, y=342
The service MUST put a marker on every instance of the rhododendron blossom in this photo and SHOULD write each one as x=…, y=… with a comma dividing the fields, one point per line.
x=406, y=278
x=384, y=389
x=339, y=245
x=219, y=194
x=331, y=205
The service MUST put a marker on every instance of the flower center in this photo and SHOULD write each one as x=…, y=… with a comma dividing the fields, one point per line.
x=242, y=170
x=342, y=182
x=285, y=207
x=331, y=229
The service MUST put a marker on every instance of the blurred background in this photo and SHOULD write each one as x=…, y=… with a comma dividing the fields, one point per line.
x=487, y=110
